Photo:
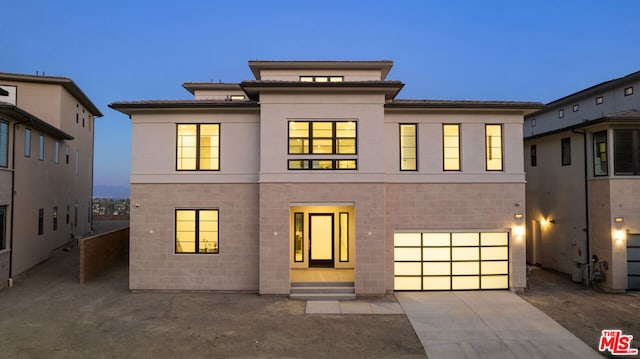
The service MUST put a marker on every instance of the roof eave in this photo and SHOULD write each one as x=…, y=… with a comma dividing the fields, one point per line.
x=23, y=116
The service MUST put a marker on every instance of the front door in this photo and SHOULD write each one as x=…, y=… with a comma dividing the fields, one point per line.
x=321, y=240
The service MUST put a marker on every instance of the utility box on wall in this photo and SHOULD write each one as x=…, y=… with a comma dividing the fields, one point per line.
x=579, y=256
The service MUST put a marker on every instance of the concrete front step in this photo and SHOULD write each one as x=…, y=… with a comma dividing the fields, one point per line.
x=322, y=291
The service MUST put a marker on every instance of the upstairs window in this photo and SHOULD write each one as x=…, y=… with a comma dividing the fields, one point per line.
x=565, y=149
x=628, y=91
x=576, y=107
x=4, y=144
x=600, y=161
x=561, y=113
x=599, y=100
x=56, y=154
x=198, y=147
x=41, y=147
x=626, y=152
x=408, y=147
x=451, y=147
x=321, y=78
x=534, y=155
x=27, y=142
x=493, y=147
x=323, y=137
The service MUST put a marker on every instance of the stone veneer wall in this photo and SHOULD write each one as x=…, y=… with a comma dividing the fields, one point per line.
x=457, y=206
x=600, y=224
x=153, y=262
x=369, y=201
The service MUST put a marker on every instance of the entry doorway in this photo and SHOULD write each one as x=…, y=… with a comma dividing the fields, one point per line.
x=321, y=240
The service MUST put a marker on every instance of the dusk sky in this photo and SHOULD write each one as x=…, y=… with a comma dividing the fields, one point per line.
x=473, y=50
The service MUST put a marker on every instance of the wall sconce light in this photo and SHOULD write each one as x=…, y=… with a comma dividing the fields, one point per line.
x=618, y=219
x=619, y=235
x=519, y=232
x=518, y=216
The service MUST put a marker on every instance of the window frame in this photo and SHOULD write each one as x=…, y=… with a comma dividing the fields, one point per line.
x=4, y=144
x=41, y=147
x=633, y=152
x=27, y=142
x=314, y=78
x=561, y=113
x=197, y=145
x=196, y=230
x=40, y=221
x=487, y=148
x=628, y=91
x=444, y=147
x=598, y=153
x=54, y=218
x=404, y=168
x=599, y=100
x=565, y=151
x=576, y=107
x=310, y=138
x=56, y=155
x=533, y=153
x=3, y=227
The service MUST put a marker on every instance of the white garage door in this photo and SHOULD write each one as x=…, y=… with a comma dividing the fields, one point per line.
x=451, y=261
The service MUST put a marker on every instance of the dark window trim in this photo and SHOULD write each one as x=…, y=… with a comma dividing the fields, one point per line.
x=459, y=148
x=298, y=241
x=533, y=149
x=77, y=112
x=486, y=154
x=576, y=108
x=596, y=152
x=633, y=152
x=68, y=211
x=565, y=151
x=40, y=221
x=415, y=126
x=198, y=147
x=66, y=153
x=334, y=139
x=54, y=218
x=561, y=113
x=628, y=91
x=197, y=231
x=599, y=100
x=83, y=117
x=5, y=124
x=340, y=237
x=314, y=77
x=3, y=227
x=334, y=164
x=27, y=142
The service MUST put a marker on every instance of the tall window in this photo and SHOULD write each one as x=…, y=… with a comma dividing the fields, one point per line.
x=408, y=147
x=3, y=227
x=4, y=144
x=198, y=147
x=493, y=145
x=77, y=112
x=534, y=155
x=322, y=138
x=66, y=154
x=344, y=236
x=56, y=154
x=77, y=162
x=40, y=221
x=197, y=231
x=451, y=147
x=67, y=215
x=565, y=151
x=55, y=218
x=41, y=147
x=626, y=152
x=298, y=239
x=27, y=142
x=600, y=160
x=83, y=117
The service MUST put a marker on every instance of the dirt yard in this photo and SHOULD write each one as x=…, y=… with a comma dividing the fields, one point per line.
x=584, y=312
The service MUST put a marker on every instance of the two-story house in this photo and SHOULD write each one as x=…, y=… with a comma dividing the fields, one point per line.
x=46, y=168
x=315, y=172
x=583, y=168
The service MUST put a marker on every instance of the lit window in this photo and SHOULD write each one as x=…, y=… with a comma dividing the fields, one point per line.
x=561, y=113
x=4, y=144
x=599, y=100
x=322, y=138
x=321, y=78
x=600, y=160
x=324, y=164
x=27, y=142
x=408, y=147
x=298, y=239
x=197, y=231
x=237, y=97
x=628, y=91
x=493, y=146
x=451, y=147
x=565, y=149
x=344, y=236
x=41, y=147
x=576, y=108
x=198, y=147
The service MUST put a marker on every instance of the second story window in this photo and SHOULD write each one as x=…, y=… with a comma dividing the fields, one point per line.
x=27, y=142
x=321, y=78
x=56, y=154
x=451, y=147
x=41, y=147
x=4, y=144
x=337, y=137
x=408, y=147
x=626, y=152
x=534, y=155
x=493, y=147
x=198, y=147
x=600, y=161
x=565, y=149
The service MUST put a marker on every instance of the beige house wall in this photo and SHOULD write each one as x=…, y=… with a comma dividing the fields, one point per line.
x=153, y=262
x=294, y=75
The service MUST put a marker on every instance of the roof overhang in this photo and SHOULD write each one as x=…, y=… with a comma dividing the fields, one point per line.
x=390, y=88
x=131, y=107
x=65, y=82
x=626, y=117
x=384, y=66
x=197, y=86
x=22, y=116
x=523, y=107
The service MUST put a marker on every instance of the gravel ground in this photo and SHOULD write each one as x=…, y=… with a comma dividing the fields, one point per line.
x=584, y=312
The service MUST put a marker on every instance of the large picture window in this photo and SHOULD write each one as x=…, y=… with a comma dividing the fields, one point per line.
x=493, y=140
x=408, y=147
x=322, y=137
x=197, y=231
x=451, y=147
x=626, y=160
x=198, y=147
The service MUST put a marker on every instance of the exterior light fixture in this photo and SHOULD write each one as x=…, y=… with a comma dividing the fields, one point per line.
x=619, y=235
x=519, y=232
x=518, y=216
x=618, y=219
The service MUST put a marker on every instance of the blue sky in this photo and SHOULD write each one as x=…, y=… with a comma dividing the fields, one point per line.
x=487, y=50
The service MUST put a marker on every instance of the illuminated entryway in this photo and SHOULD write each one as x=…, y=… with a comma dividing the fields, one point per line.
x=451, y=261
x=322, y=237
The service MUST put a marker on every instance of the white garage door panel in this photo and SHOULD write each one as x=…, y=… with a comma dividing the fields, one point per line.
x=451, y=261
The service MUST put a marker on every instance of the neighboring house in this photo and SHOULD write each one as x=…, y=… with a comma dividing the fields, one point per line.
x=315, y=172
x=46, y=168
x=583, y=184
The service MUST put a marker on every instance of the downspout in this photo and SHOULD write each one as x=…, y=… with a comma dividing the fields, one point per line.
x=586, y=208
x=13, y=185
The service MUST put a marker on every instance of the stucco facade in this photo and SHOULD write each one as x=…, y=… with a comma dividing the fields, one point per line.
x=47, y=175
x=581, y=159
x=308, y=180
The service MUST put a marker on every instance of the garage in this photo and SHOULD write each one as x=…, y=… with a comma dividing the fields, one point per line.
x=633, y=261
x=451, y=260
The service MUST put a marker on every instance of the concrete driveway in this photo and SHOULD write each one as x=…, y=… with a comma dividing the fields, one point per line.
x=487, y=324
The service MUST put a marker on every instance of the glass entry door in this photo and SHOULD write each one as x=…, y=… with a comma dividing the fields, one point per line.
x=321, y=240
